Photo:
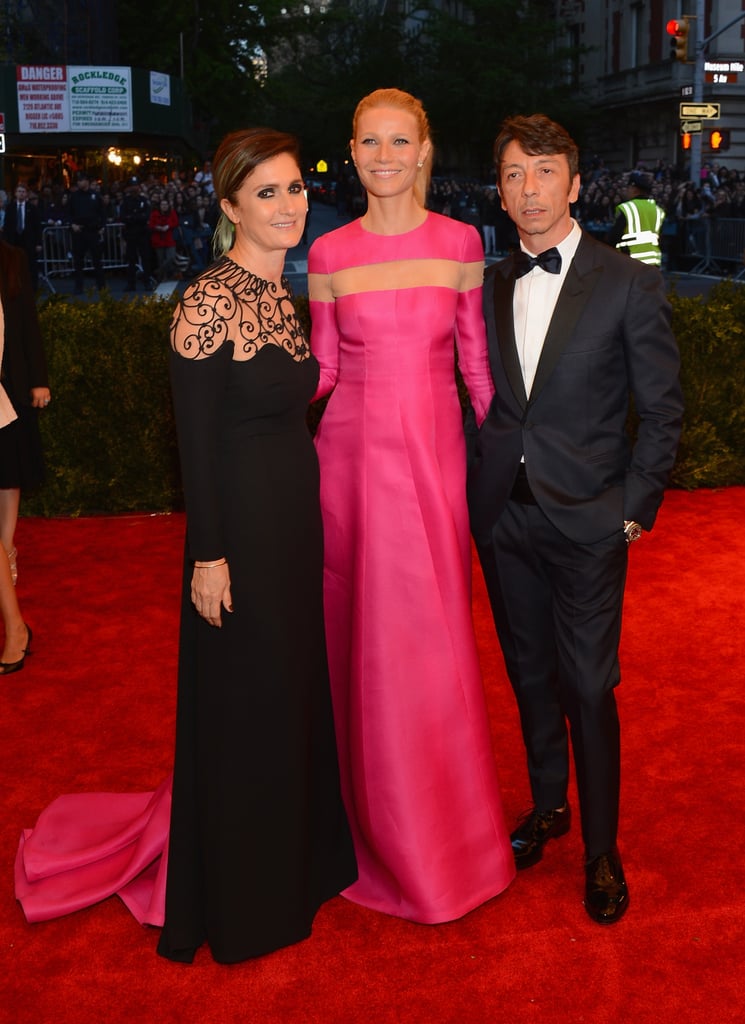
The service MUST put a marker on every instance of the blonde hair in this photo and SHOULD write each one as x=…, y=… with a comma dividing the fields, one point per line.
x=397, y=99
x=237, y=156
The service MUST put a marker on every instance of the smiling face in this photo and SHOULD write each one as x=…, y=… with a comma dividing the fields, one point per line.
x=536, y=192
x=270, y=206
x=387, y=150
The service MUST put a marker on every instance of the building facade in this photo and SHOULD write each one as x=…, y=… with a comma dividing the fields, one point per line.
x=626, y=70
x=43, y=46
x=58, y=31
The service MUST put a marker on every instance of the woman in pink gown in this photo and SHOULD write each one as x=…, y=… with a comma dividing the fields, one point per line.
x=389, y=294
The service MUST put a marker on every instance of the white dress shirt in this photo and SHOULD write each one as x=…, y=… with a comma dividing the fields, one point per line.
x=533, y=304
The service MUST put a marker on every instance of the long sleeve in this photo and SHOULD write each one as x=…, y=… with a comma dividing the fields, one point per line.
x=324, y=337
x=198, y=387
x=470, y=330
x=653, y=364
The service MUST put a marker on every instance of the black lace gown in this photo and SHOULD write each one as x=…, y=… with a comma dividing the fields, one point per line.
x=258, y=837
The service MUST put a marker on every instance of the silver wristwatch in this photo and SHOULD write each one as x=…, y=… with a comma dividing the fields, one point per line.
x=632, y=530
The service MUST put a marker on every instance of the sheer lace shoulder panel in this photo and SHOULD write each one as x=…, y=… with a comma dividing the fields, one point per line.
x=200, y=323
x=228, y=303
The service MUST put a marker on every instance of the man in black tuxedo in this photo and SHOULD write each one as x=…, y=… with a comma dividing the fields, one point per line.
x=558, y=492
x=23, y=229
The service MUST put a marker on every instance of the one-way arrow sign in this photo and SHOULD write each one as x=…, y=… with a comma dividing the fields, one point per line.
x=691, y=127
x=711, y=111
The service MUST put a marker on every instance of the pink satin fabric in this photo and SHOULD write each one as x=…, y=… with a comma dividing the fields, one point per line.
x=89, y=846
x=418, y=772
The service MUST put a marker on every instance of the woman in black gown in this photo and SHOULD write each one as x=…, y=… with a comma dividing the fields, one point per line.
x=258, y=835
x=24, y=390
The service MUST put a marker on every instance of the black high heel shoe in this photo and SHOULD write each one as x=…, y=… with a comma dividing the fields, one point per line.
x=6, y=667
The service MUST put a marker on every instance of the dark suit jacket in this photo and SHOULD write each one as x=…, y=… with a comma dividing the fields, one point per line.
x=609, y=338
x=24, y=366
x=30, y=237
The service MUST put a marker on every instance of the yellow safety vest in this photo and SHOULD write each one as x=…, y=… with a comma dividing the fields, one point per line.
x=641, y=239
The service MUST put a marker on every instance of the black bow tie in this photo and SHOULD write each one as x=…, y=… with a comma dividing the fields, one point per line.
x=550, y=260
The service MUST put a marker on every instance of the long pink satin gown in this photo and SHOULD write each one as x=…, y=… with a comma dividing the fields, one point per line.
x=418, y=772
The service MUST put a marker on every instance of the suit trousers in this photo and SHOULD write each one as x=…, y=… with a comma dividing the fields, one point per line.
x=87, y=240
x=139, y=256
x=557, y=607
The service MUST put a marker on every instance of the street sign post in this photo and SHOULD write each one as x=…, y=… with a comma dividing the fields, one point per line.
x=709, y=111
x=691, y=127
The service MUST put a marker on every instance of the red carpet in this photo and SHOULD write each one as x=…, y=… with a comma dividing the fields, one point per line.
x=94, y=709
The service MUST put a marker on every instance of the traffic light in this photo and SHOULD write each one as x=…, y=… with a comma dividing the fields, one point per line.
x=686, y=139
x=719, y=139
x=679, y=42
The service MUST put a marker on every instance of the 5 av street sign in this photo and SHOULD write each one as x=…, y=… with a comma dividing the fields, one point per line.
x=710, y=111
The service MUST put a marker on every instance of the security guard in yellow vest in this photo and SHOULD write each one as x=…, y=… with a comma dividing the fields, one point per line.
x=636, y=230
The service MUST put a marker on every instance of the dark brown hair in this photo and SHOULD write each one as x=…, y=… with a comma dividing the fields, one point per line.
x=237, y=156
x=536, y=135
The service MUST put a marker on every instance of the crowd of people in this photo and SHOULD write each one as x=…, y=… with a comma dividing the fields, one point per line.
x=166, y=226
x=721, y=193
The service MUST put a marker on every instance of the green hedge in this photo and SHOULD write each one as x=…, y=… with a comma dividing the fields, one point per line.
x=711, y=337
x=109, y=435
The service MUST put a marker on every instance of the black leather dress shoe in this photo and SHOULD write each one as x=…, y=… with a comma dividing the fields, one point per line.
x=606, y=892
x=534, y=831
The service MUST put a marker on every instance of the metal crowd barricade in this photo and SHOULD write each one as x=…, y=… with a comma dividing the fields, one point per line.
x=728, y=243
x=114, y=255
x=724, y=244
x=56, y=252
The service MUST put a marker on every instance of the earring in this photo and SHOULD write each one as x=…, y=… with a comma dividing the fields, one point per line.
x=420, y=164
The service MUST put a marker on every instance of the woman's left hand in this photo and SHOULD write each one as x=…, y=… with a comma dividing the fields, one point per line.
x=40, y=397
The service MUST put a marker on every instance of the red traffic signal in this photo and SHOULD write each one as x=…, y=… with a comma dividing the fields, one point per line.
x=679, y=43
x=719, y=139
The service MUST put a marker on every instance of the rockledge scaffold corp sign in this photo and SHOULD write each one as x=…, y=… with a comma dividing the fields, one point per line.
x=73, y=98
